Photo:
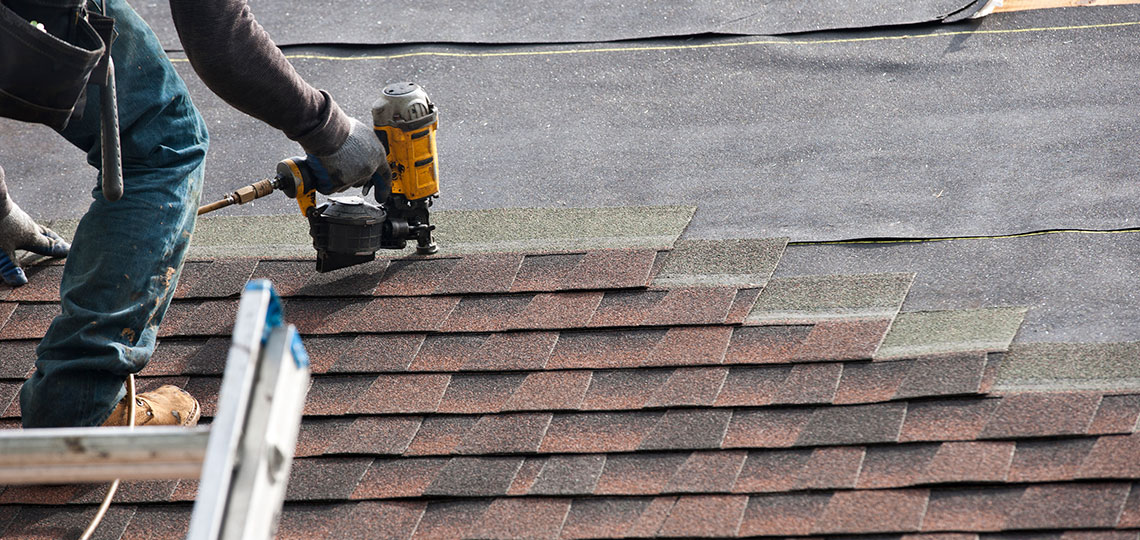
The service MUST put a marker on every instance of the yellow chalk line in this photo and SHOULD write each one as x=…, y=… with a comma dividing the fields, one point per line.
x=956, y=238
x=645, y=48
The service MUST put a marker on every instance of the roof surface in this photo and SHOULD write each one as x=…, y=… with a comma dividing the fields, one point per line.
x=618, y=371
x=633, y=392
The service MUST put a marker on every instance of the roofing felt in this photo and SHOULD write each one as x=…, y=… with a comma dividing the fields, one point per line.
x=813, y=137
x=360, y=22
x=526, y=394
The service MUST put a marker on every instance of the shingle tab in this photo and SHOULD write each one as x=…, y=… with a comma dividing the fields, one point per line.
x=639, y=473
x=515, y=518
x=895, y=465
x=377, y=353
x=947, y=420
x=26, y=321
x=696, y=345
x=625, y=308
x=450, y=519
x=689, y=386
x=854, y=424
x=382, y=435
x=558, y=310
x=482, y=273
x=550, y=390
x=873, y=512
x=415, y=314
x=610, y=269
x=705, y=515
x=832, y=341
x=598, y=432
x=707, y=472
x=475, y=477
x=609, y=517
x=440, y=435
x=513, y=351
x=766, y=428
x=752, y=386
x=403, y=393
x=1069, y=506
x=940, y=332
x=479, y=393
x=809, y=383
x=35, y=522
x=783, y=515
x=335, y=395
x=447, y=352
x=569, y=475
x=392, y=478
x=604, y=349
x=867, y=382
x=624, y=389
x=1116, y=414
x=688, y=428
x=817, y=298
x=970, y=461
x=1113, y=456
x=1045, y=461
x=971, y=509
x=942, y=376
x=765, y=344
x=721, y=262
x=705, y=305
x=1037, y=415
x=831, y=468
x=543, y=272
x=357, y=280
x=322, y=479
x=505, y=433
x=415, y=276
x=772, y=470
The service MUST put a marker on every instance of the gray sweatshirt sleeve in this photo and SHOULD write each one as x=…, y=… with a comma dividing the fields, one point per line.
x=238, y=61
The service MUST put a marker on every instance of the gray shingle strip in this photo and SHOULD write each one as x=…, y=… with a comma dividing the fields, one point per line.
x=457, y=232
x=746, y=262
x=1070, y=366
x=937, y=332
x=805, y=299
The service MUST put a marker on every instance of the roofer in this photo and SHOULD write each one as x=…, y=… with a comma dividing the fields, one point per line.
x=126, y=256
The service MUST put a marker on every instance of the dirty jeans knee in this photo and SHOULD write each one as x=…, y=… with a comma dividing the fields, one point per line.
x=126, y=256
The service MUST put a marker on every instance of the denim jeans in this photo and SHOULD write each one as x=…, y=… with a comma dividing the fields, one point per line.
x=126, y=256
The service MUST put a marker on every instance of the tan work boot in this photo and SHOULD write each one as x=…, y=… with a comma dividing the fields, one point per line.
x=167, y=406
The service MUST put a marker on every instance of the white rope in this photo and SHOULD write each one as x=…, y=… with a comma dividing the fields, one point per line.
x=114, y=485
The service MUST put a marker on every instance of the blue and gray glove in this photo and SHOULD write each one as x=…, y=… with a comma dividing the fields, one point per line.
x=360, y=161
x=18, y=231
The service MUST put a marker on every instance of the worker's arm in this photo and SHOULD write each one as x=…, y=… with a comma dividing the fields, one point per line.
x=18, y=231
x=237, y=60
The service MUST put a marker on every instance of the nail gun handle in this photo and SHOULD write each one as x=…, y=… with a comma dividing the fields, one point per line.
x=295, y=179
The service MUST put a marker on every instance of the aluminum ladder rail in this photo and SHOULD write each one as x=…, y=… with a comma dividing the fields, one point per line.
x=242, y=459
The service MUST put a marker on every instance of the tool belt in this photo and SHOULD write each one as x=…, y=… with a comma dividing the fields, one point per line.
x=45, y=68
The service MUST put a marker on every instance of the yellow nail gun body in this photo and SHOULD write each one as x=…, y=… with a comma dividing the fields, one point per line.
x=349, y=231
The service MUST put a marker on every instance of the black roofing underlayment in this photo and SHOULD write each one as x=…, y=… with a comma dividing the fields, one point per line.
x=1022, y=122
x=365, y=22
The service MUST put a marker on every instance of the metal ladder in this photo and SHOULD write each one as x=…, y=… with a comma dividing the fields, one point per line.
x=242, y=459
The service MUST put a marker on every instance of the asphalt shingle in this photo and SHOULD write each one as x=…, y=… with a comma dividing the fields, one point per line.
x=563, y=395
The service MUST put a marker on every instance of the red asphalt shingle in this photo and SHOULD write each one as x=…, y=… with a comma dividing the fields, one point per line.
x=559, y=395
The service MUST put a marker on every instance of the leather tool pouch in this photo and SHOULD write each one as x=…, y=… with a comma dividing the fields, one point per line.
x=43, y=72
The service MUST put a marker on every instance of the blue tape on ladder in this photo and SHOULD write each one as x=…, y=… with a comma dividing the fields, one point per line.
x=274, y=315
x=300, y=355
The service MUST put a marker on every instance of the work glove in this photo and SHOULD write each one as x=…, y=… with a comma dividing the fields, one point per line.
x=360, y=161
x=18, y=231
